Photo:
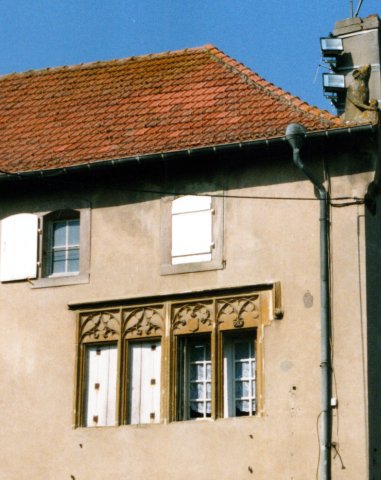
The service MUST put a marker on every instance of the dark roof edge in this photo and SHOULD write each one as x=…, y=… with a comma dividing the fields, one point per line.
x=54, y=172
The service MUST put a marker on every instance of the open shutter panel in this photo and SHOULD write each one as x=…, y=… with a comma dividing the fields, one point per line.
x=101, y=386
x=19, y=247
x=145, y=382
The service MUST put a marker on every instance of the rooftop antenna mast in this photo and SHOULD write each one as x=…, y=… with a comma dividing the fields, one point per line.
x=355, y=14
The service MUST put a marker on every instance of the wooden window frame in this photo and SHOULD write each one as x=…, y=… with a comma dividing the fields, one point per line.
x=216, y=262
x=215, y=315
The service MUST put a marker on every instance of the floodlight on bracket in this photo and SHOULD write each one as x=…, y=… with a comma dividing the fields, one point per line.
x=334, y=88
x=331, y=46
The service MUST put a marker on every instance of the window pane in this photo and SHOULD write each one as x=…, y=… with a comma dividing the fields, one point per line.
x=65, y=251
x=198, y=390
x=73, y=260
x=239, y=376
x=242, y=349
x=73, y=232
x=242, y=370
x=59, y=261
x=59, y=234
x=197, y=371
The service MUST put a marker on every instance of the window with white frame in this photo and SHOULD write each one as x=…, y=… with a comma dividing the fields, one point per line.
x=171, y=361
x=239, y=372
x=61, y=252
x=47, y=249
x=192, y=233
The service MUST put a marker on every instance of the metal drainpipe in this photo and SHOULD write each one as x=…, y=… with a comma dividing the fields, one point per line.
x=295, y=135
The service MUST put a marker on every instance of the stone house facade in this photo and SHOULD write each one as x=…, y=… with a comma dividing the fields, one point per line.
x=160, y=276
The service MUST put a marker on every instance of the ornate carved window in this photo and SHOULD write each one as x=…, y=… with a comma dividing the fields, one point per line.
x=215, y=346
x=179, y=359
x=127, y=387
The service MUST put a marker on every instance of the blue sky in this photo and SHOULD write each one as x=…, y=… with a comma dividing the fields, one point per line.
x=279, y=39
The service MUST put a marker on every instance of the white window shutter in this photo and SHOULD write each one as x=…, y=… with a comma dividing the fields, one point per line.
x=101, y=386
x=19, y=247
x=191, y=229
x=191, y=203
x=145, y=370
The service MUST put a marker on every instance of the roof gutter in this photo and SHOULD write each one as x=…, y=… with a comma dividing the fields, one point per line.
x=152, y=157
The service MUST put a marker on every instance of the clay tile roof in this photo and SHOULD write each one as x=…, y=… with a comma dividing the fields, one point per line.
x=66, y=116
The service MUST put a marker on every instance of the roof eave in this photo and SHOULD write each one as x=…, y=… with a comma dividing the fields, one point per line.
x=152, y=157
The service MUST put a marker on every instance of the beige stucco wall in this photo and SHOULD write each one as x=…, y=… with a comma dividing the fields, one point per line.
x=264, y=241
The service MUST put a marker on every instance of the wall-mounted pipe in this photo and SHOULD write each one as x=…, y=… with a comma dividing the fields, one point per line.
x=295, y=134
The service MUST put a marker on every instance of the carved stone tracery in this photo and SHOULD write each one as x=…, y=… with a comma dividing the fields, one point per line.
x=99, y=326
x=238, y=312
x=143, y=321
x=191, y=317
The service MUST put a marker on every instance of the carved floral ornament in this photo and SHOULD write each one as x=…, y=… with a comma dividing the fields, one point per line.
x=231, y=313
x=228, y=313
x=99, y=326
x=143, y=321
x=193, y=317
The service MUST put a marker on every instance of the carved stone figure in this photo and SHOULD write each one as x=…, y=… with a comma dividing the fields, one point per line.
x=358, y=108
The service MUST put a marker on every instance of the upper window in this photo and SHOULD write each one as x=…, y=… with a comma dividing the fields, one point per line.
x=175, y=360
x=61, y=251
x=51, y=249
x=192, y=233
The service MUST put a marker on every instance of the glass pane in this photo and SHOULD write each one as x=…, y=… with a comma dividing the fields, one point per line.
x=73, y=232
x=208, y=390
x=59, y=234
x=242, y=350
x=242, y=407
x=208, y=371
x=73, y=260
x=197, y=353
x=197, y=371
x=242, y=389
x=242, y=370
x=58, y=263
x=208, y=408
x=197, y=391
x=197, y=407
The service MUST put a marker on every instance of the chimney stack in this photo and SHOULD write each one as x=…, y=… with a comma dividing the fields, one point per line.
x=361, y=43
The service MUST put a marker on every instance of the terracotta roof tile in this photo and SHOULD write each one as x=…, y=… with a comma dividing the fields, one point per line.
x=60, y=117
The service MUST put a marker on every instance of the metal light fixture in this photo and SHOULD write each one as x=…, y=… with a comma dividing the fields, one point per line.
x=333, y=82
x=331, y=47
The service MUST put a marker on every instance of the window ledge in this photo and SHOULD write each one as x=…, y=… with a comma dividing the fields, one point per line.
x=59, y=281
x=169, y=269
